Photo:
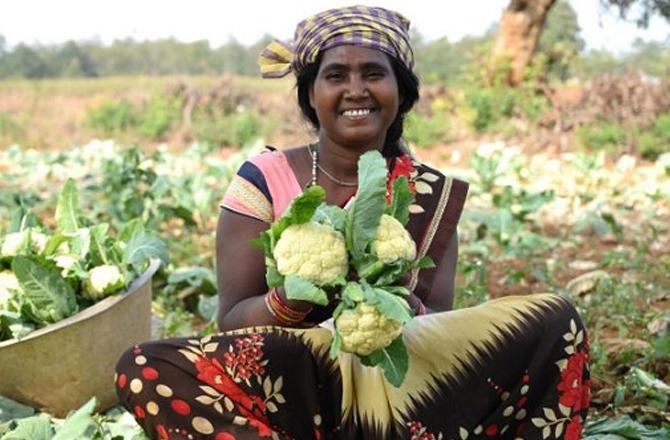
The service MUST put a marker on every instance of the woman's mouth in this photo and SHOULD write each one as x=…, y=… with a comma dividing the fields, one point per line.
x=355, y=114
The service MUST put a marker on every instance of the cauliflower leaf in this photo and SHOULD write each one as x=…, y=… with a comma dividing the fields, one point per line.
x=367, y=209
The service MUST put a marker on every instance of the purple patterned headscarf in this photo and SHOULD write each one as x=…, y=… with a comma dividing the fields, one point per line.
x=365, y=26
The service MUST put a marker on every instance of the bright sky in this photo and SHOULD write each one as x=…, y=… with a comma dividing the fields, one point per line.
x=48, y=21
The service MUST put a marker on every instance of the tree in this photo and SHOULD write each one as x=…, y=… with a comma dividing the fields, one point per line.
x=560, y=42
x=522, y=22
x=645, y=8
x=518, y=35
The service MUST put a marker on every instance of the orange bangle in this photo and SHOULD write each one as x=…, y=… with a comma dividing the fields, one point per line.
x=282, y=311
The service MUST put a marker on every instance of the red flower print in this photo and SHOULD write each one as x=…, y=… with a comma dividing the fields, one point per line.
x=574, y=429
x=572, y=394
x=403, y=167
x=211, y=372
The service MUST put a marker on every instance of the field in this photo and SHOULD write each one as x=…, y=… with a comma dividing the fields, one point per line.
x=549, y=210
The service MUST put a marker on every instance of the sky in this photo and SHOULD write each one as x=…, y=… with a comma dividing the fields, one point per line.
x=49, y=22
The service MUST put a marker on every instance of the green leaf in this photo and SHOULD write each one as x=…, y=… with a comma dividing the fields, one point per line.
x=31, y=428
x=48, y=297
x=10, y=410
x=80, y=242
x=298, y=288
x=335, y=345
x=79, y=425
x=368, y=207
x=142, y=247
x=208, y=307
x=98, y=249
x=393, y=360
x=424, y=262
x=333, y=216
x=272, y=276
x=392, y=306
x=393, y=272
x=130, y=229
x=401, y=199
x=353, y=292
x=303, y=207
x=67, y=209
x=622, y=428
x=53, y=243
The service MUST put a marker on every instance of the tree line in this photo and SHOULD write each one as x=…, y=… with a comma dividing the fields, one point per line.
x=561, y=50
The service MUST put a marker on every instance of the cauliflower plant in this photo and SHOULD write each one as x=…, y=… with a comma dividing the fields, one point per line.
x=102, y=281
x=9, y=284
x=365, y=329
x=312, y=251
x=16, y=242
x=392, y=241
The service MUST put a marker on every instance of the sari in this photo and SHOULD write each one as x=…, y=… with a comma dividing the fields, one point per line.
x=514, y=367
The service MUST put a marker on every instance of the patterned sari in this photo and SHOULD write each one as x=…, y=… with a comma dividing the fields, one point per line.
x=514, y=367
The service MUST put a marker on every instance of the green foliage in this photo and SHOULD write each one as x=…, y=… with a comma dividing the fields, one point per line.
x=238, y=129
x=602, y=136
x=112, y=117
x=9, y=127
x=425, y=131
x=655, y=141
x=560, y=42
x=158, y=116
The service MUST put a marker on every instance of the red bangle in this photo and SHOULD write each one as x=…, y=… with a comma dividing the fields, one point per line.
x=282, y=311
x=420, y=308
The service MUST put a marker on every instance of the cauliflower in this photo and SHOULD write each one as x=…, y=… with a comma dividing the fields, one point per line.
x=364, y=329
x=102, y=281
x=8, y=286
x=65, y=262
x=312, y=251
x=15, y=242
x=392, y=241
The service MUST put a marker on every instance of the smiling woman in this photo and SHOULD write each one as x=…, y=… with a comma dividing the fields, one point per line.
x=514, y=367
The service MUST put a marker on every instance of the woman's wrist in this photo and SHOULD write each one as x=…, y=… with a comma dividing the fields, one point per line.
x=416, y=304
x=287, y=313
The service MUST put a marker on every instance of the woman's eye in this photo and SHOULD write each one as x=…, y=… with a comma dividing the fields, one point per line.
x=335, y=76
x=375, y=75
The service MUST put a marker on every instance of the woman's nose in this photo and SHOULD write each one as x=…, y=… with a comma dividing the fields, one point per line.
x=357, y=87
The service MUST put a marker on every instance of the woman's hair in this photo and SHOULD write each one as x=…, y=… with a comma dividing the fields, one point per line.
x=408, y=89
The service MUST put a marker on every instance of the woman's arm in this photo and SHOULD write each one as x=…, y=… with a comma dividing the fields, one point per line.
x=241, y=274
x=441, y=295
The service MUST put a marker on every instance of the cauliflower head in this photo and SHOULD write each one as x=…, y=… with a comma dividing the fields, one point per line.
x=102, y=281
x=9, y=285
x=365, y=329
x=392, y=241
x=312, y=251
x=15, y=243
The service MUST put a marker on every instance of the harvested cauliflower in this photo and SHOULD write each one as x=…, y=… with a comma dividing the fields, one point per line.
x=102, y=281
x=364, y=329
x=16, y=242
x=392, y=241
x=9, y=284
x=312, y=251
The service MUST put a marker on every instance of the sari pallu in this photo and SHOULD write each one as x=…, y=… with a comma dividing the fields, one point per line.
x=515, y=367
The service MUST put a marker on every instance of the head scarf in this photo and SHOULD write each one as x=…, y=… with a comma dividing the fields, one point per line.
x=365, y=26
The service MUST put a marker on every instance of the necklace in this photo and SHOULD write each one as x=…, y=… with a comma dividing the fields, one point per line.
x=315, y=164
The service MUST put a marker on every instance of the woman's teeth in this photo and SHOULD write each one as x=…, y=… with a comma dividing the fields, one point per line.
x=353, y=113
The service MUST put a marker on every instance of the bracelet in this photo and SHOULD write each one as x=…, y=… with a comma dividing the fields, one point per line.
x=282, y=311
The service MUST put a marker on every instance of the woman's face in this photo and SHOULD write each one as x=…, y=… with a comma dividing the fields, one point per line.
x=355, y=96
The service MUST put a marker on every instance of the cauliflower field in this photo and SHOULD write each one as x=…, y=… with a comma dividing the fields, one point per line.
x=591, y=227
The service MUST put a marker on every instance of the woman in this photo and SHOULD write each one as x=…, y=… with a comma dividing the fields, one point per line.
x=511, y=368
